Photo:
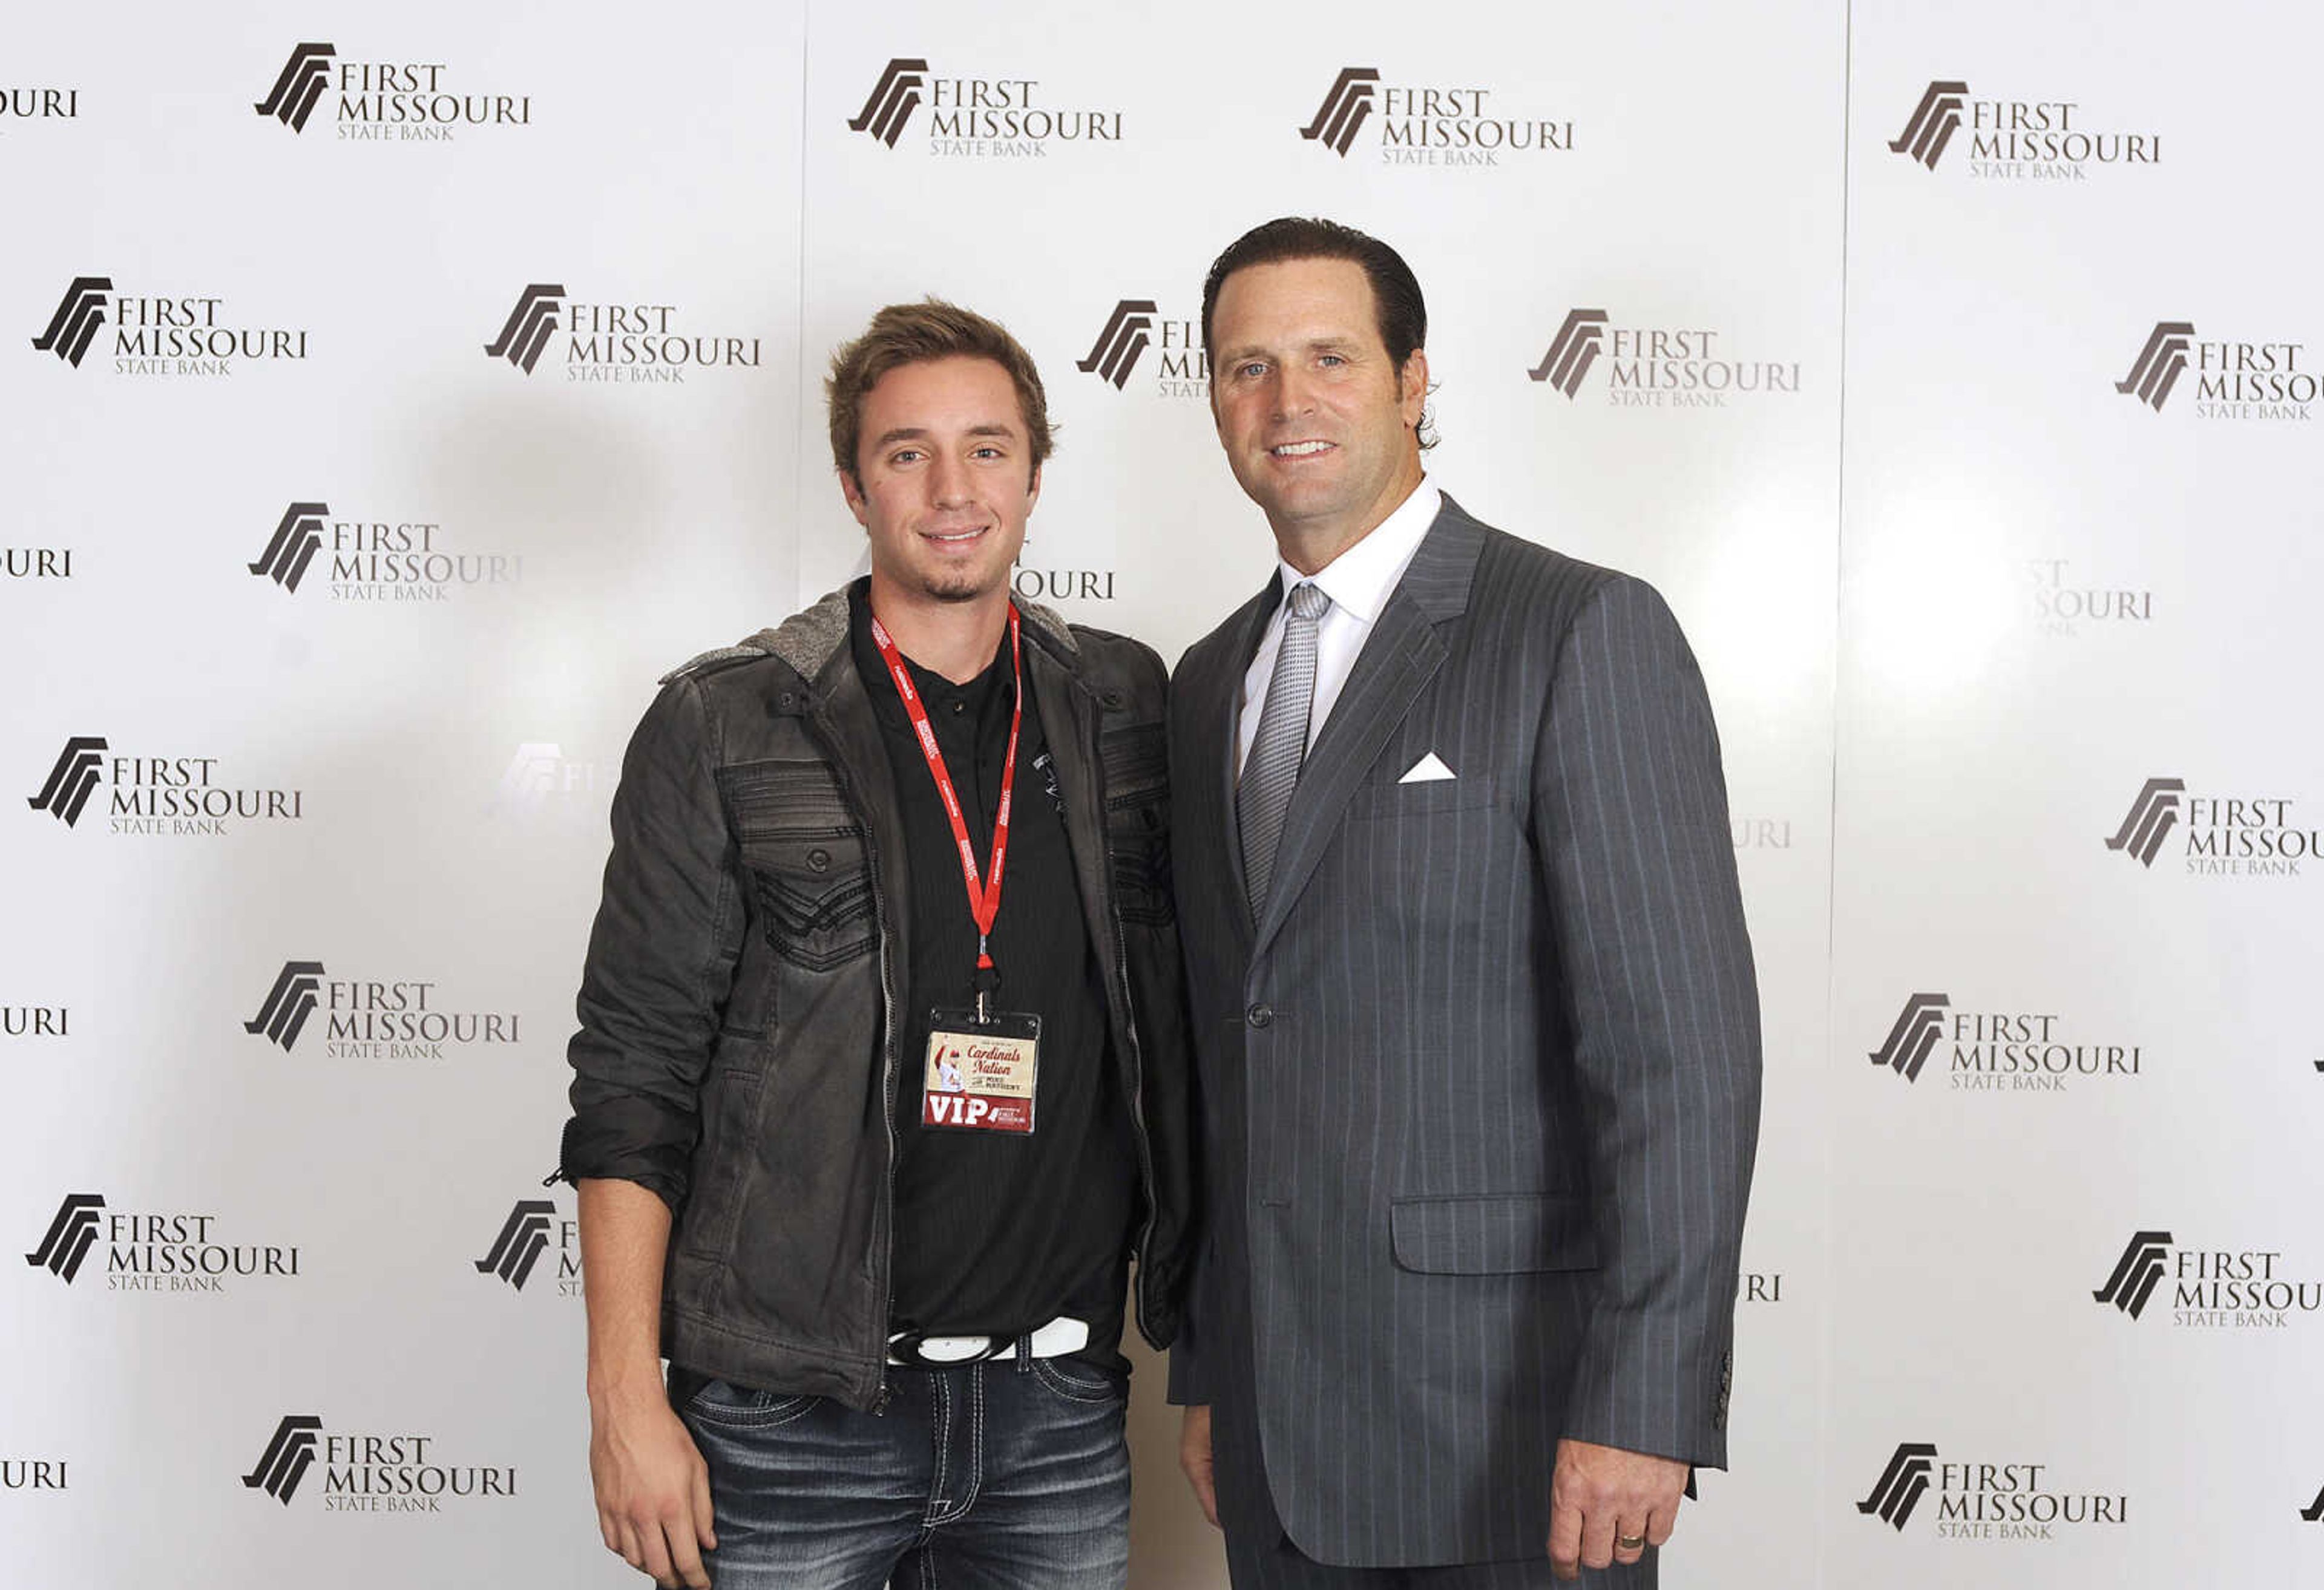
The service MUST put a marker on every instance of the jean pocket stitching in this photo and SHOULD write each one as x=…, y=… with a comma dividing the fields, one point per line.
x=1067, y=1386
x=764, y=1415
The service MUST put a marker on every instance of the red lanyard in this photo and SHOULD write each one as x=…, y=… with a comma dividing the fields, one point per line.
x=984, y=898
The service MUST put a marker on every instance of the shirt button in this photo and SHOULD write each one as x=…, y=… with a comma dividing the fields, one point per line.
x=1259, y=1016
x=959, y=706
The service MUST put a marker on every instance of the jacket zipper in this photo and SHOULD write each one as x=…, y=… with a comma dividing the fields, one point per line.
x=1136, y=1062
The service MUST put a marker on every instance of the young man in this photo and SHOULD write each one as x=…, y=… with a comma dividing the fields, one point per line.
x=1472, y=999
x=916, y=826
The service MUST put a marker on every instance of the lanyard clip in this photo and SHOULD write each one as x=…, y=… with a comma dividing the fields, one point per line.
x=982, y=984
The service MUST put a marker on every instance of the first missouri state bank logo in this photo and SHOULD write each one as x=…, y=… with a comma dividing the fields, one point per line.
x=72, y=780
x=1115, y=352
x=1913, y=1036
x=289, y=1003
x=530, y=326
x=162, y=334
x=1677, y=366
x=2213, y=1286
x=382, y=561
x=981, y=116
x=290, y=1454
x=2234, y=378
x=1427, y=125
x=383, y=101
x=1573, y=351
x=304, y=77
x=628, y=342
x=1901, y=1484
x=2137, y=1274
x=1983, y=1500
x=373, y=1019
x=369, y=1473
x=80, y=312
x=1999, y=1051
x=2015, y=139
x=1934, y=121
x=2160, y=363
x=69, y=1237
x=296, y=541
x=157, y=796
x=1345, y=109
x=2152, y=817
x=1132, y=326
x=145, y=1250
x=532, y=1228
x=523, y=1239
x=894, y=97
x=2245, y=835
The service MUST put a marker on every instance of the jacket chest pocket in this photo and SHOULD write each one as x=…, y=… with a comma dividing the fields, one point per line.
x=1138, y=821
x=803, y=851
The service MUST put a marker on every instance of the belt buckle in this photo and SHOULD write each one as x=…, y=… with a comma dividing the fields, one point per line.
x=910, y=1348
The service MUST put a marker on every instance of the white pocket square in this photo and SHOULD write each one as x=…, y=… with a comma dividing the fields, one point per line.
x=1429, y=769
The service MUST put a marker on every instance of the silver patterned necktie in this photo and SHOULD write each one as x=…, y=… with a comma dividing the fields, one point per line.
x=1271, y=771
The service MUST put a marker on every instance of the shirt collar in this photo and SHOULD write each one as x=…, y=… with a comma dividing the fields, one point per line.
x=1359, y=579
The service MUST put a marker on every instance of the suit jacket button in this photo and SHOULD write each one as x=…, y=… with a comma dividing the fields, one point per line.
x=1259, y=1016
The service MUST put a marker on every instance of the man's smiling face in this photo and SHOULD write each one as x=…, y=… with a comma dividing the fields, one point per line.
x=1318, y=425
x=943, y=483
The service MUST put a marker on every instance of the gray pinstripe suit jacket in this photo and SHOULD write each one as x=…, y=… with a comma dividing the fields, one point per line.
x=1481, y=1091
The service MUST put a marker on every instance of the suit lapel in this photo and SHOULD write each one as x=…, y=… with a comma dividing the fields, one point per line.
x=1399, y=658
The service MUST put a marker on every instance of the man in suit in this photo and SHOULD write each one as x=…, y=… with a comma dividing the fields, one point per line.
x=1476, y=1030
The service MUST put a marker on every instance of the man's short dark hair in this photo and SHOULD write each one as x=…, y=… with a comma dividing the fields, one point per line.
x=1401, y=313
x=917, y=333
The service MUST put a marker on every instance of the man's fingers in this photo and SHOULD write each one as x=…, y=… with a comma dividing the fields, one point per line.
x=685, y=1554
x=705, y=1525
x=1629, y=1541
x=1598, y=1537
x=1659, y=1525
x=653, y=1554
x=631, y=1551
x=1564, y=1537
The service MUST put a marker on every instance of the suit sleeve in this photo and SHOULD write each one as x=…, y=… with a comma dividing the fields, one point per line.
x=1640, y=868
x=661, y=958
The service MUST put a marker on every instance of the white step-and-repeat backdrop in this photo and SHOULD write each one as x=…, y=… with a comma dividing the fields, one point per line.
x=397, y=391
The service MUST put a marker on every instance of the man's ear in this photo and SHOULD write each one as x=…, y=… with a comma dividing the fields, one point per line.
x=1412, y=388
x=852, y=491
x=1033, y=489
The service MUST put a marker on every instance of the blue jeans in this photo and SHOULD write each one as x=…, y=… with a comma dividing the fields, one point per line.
x=1004, y=1475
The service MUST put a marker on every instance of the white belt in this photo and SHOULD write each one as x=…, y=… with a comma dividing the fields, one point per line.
x=1058, y=1337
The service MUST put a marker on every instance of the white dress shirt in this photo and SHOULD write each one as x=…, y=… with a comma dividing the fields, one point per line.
x=1359, y=583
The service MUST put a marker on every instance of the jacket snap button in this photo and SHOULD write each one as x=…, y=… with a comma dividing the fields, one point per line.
x=1259, y=1016
x=819, y=861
